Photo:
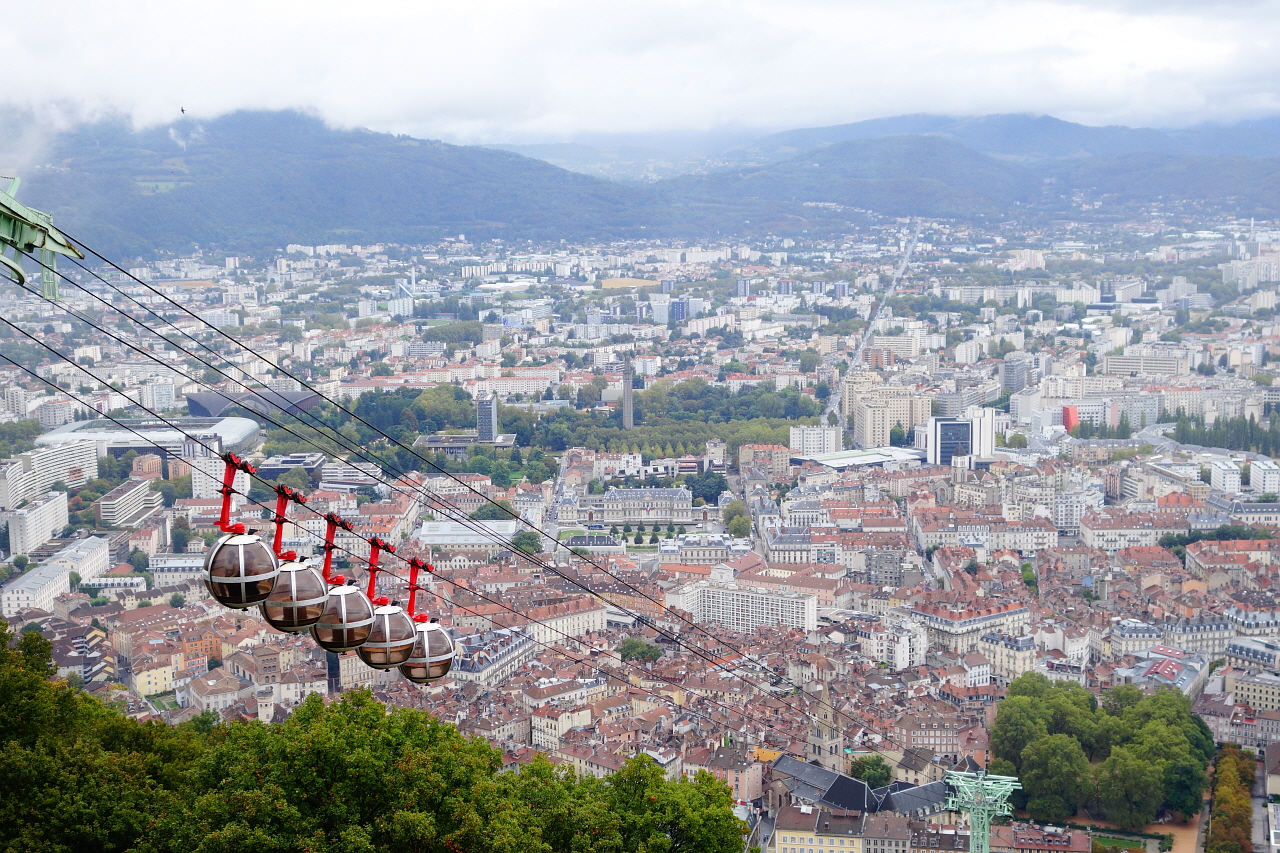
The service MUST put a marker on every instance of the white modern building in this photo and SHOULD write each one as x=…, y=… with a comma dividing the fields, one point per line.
x=28, y=475
x=206, y=479
x=1264, y=476
x=36, y=523
x=37, y=588
x=1224, y=476
x=89, y=558
x=744, y=608
x=813, y=440
x=455, y=536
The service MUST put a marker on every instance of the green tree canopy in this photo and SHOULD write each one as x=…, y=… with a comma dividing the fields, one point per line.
x=495, y=511
x=1056, y=777
x=636, y=648
x=528, y=542
x=344, y=776
x=872, y=770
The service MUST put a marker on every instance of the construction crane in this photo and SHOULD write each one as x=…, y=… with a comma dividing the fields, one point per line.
x=29, y=230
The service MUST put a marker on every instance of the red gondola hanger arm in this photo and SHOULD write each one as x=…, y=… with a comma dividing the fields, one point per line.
x=333, y=522
x=416, y=565
x=234, y=465
x=284, y=495
x=376, y=547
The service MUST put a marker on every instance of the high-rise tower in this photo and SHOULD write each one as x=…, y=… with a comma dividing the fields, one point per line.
x=487, y=416
x=628, y=403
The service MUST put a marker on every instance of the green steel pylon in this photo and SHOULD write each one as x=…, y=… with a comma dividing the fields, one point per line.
x=982, y=797
x=29, y=230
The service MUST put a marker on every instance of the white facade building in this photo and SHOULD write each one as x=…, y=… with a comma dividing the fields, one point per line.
x=814, y=440
x=40, y=586
x=206, y=479
x=29, y=475
x=1224, y=476
x=1264, y=476
x=36, y=523
x=745, y=608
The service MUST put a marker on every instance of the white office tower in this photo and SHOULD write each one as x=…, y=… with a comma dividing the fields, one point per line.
x=744, y=608
x=1264, y=477
x=983, y=433
x=36, y=523
x=1224, y=476
x=206, y=479
x=29, y=475
x=815, y=440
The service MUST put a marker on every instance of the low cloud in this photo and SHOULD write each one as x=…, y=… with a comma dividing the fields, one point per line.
x=519, y=71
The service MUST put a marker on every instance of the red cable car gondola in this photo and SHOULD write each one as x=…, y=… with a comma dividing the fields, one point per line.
x=298, y=598
x=239, y=570
x=346, y=621
x=433, y=647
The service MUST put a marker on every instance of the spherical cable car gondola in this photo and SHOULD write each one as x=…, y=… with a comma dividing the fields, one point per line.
x=433, y=647
x=298, y=598
x=433, y=653
x=391, y=639
x=240, y=570
x=346, y=622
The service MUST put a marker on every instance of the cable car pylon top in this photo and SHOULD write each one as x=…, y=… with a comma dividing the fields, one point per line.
x=26, y=229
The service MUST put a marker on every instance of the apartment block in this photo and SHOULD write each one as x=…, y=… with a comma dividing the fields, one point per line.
x=28, y=475
x=744, y=608
x=36, y=523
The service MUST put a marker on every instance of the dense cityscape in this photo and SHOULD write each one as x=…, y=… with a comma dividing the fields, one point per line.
x=827, y=520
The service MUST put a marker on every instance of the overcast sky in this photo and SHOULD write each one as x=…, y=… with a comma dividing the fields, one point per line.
x=483, y=71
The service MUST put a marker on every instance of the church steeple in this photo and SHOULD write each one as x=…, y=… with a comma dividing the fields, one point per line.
x=826, y=731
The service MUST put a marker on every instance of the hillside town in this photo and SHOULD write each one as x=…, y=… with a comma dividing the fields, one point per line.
x=735, y=490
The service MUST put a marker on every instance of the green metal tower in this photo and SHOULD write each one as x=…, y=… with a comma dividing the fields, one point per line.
x=983, y=797
x=29, y=230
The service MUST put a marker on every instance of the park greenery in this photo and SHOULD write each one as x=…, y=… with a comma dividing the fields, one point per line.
x=78, y=775
x=1232, y=433
x=18, y=436
x=636, y=648
x=1231, y=818
x=1129, y=755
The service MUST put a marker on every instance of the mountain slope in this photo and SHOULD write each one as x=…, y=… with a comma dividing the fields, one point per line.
x=1029, y=137
x=248, y=180
x=899, y=175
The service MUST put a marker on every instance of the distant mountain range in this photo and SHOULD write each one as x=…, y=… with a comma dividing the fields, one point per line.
x=251, y=180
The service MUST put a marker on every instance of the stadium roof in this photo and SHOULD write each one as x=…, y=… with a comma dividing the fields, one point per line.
x=871, y=456
x=142, y=434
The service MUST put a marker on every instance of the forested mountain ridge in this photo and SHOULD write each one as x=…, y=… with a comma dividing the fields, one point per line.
x=257, y=180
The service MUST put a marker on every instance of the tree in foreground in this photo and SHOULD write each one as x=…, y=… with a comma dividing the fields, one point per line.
x=348, y=776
